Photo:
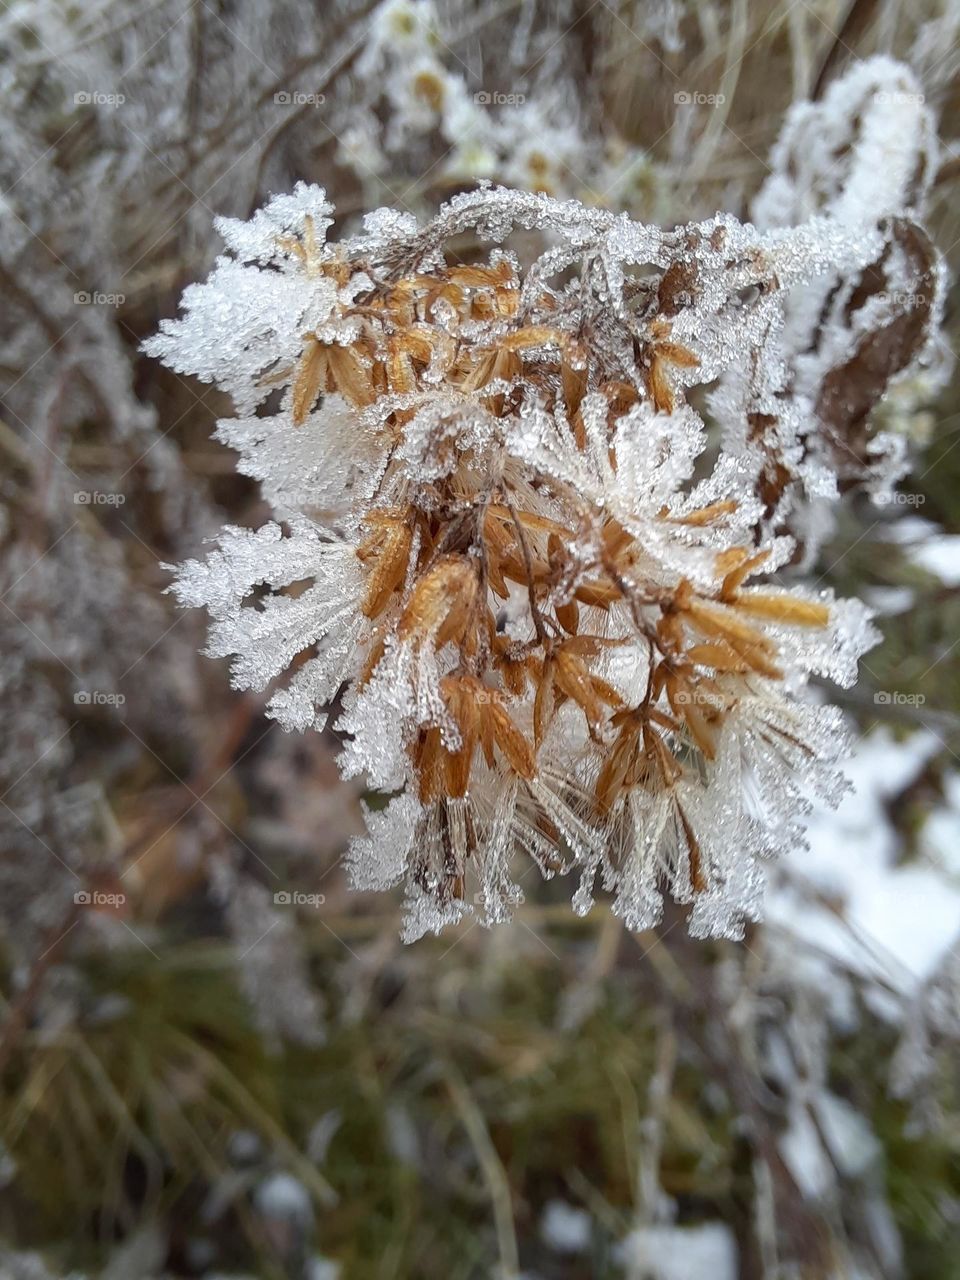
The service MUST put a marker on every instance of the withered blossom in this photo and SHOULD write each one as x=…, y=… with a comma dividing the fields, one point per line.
x=558, y=617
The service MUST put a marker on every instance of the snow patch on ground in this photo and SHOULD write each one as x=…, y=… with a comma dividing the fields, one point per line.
x=876, y=917
x=680, y=1253
x=939, y=555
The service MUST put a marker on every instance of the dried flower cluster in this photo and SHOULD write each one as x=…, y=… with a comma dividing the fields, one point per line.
x=557, y=640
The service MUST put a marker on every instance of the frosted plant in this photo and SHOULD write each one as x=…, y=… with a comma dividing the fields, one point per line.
x=865, y=155
x=559, y=631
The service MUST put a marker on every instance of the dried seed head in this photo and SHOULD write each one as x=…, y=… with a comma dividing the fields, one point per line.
x=549, y=628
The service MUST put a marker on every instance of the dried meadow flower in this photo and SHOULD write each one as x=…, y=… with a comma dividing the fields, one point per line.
x=561, y=634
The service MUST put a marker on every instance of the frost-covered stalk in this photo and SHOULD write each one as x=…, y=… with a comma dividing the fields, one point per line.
x=555, y=641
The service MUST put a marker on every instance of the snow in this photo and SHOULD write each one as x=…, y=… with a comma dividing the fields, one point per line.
x=565, y=1228
x=852, y=1143
x=894, y=921
x=804, y=1155
x=283, y=1197
x=939, y=555
x=680, y=1253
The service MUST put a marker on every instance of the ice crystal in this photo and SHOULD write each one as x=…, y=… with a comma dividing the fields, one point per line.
x=558, y=632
